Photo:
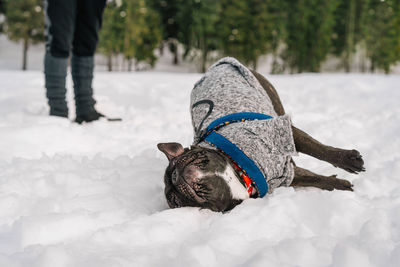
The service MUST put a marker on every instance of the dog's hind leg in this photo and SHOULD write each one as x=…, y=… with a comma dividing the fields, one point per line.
x=303, y=178
x=349, y=160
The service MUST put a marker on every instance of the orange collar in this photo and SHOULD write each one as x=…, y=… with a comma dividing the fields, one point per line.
x=246, y=179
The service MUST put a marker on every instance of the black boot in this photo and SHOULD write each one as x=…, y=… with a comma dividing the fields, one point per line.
x=55, y=70
x=82, y=75
x=92, y=116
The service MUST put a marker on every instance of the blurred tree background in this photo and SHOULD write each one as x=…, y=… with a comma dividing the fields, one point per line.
x=2, y=18
x=132, y=29
x=299, y=35
x=24, y=22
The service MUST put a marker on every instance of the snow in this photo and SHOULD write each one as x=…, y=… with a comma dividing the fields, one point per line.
x=92, y=195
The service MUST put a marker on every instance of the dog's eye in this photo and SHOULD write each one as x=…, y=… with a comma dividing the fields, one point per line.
x=201, y=163
x=174, y=176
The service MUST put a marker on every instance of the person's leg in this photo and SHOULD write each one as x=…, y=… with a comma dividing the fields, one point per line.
x=88, y=22
x=59, y=24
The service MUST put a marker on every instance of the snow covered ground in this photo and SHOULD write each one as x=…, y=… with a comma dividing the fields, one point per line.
x=92, y=195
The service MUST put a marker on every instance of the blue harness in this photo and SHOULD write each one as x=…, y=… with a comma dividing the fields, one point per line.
x=235, y=153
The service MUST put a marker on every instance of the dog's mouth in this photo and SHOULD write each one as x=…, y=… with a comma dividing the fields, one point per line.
x=183, y=195
x=173, y=200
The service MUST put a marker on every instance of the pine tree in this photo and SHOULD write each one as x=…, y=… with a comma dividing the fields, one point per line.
x=168, y=12
x=232, y=28
x=198, y=32
x=278, y=14
x=349, y=29
x=130, y=28
x=142, y=33
x=308, y=33
x=245, y=29
x=397, y=29
x=111, y=40
x=2, y=17
x=382, y=34
x=24, y=22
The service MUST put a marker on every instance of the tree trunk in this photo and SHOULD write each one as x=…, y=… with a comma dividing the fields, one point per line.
x=372, y=67
x=255, y=64
x=129, y=64
x=176, y=61
x=161, y=48
x=25, y=53
x=349, y=37
x=173, y=48
x=109, y=62
x=204, y=61
x=363, y=63
x=204, y=52
x=175, y=52
x=117, y=65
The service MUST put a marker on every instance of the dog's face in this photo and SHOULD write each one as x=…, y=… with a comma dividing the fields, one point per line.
x=200, y=177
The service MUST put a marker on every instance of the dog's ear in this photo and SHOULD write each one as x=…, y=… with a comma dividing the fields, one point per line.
x=171, y=150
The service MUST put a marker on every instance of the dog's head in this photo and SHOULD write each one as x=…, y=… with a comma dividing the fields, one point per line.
x=200, y=177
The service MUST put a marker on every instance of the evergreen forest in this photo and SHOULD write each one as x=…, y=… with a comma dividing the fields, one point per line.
x=299, y=35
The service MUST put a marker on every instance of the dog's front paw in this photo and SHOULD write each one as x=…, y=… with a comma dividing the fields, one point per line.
x=349, y=160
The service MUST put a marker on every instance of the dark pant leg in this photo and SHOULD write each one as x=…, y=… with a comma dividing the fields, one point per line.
x=60, y=26
x=59, y=23
x=88, y=22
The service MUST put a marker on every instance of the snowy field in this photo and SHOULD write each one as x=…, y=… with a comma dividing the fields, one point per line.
x=92, y=195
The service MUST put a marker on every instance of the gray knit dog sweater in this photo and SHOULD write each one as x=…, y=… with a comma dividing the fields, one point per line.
x=229, y=87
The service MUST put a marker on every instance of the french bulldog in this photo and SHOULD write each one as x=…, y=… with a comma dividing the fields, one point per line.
x=240, y=107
